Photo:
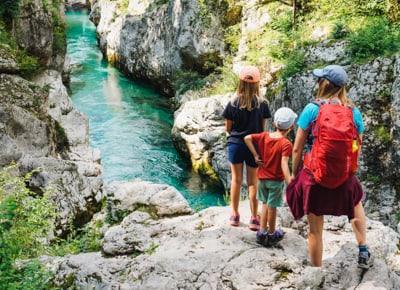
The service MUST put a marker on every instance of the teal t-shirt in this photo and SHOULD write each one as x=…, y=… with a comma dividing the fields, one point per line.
x=310, y=114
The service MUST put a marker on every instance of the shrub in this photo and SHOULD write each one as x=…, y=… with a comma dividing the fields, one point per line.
x=376, y=38
x=295, y=63
x=9, y=9
x=123, y=6
x=61, y=138
x=87, y=239
x=25, y=222
x=184, y=81
x=28, y=65
x=339, y=30
x=227, y=81
x=283, y=22
x=232, y=37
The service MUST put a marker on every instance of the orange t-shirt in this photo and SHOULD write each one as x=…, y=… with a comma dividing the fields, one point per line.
x=271, y=151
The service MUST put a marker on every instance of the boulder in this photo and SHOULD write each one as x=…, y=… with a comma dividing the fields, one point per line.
x=159, y=200
x=77, y=197
x=199, y=133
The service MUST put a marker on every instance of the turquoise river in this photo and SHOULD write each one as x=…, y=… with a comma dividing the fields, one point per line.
x=129, y=122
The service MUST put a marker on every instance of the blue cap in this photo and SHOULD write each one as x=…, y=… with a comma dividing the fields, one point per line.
x=333, y=73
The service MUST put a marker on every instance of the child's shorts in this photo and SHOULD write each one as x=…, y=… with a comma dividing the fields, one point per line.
x=270, y=192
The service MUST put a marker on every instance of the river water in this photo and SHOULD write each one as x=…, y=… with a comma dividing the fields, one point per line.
x=129, y=122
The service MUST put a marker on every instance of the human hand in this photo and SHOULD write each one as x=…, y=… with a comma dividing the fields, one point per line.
x=290, y=179
x=258, y=160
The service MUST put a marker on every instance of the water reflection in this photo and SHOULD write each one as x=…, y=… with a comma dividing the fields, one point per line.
x=112, y=91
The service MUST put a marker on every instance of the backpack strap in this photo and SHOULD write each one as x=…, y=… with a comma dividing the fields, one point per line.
x=320, y=102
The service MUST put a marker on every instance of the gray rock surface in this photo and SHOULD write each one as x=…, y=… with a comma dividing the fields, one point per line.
x=77, y=3
x=201, y=251
x=8, y=62
x=33, y=30
x=199, y=133
x=159, y=200
x=153, y=41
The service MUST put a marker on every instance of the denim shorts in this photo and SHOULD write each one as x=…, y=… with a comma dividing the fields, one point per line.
x=239, y=153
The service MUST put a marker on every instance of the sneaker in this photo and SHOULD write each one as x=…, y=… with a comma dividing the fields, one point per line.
x=262, y=238
x=254, y=224
x=275, y=237
x=234, y=220
x=365, y=260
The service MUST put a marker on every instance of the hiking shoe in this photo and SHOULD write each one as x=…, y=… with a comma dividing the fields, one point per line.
x=262, y=238
x=234, y=220
x=365, y=260
x=254, y=224
x=275, y=237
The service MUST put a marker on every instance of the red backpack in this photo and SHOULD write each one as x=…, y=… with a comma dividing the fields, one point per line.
x=334, y=154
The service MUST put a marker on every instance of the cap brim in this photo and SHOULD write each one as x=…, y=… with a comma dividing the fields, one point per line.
x=319, y=73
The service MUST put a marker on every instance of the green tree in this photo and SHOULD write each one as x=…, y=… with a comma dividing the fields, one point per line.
x=9, y=9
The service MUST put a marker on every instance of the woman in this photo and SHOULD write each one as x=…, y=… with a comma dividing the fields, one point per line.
x=245, y=114
x=326, y=184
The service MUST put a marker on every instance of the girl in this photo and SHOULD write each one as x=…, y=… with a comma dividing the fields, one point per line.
x=314, y=192
x=245, y=114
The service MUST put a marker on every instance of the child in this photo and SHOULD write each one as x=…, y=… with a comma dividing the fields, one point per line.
x=273, y=153
x=245, y=114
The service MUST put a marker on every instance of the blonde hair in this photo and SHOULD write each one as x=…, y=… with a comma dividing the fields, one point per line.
x=328, y=90
x=245, y=95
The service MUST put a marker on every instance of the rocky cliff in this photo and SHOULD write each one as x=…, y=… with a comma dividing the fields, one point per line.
x=153, y=40
x=41, y=131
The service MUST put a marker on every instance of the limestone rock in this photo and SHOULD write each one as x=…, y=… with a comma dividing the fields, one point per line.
x=201, y=251
x=77, y=197
x=158, y=199
x=133, y=235
x=199, y=133
x=154, y=41
x=76, y=4
x=29, y=136
x=8, y=63
x=33, y=30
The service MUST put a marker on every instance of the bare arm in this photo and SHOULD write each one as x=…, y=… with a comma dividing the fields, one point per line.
x=300, y=141
x=228, y=125
x=264, y=124
x=285, y=168
x=249, y=142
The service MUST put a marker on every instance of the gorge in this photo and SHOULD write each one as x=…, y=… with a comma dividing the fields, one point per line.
x=107, y=201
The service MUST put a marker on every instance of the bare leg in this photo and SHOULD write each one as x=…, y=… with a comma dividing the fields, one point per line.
x=271, y=219
x=236, y=184
x=316, y=224
x=359, y=224
x=264, y=217
x=252, y=187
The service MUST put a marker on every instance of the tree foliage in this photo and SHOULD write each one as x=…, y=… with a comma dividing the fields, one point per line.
x=9, y=9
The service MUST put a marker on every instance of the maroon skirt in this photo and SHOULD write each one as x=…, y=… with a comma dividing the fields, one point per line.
x=305, y=196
